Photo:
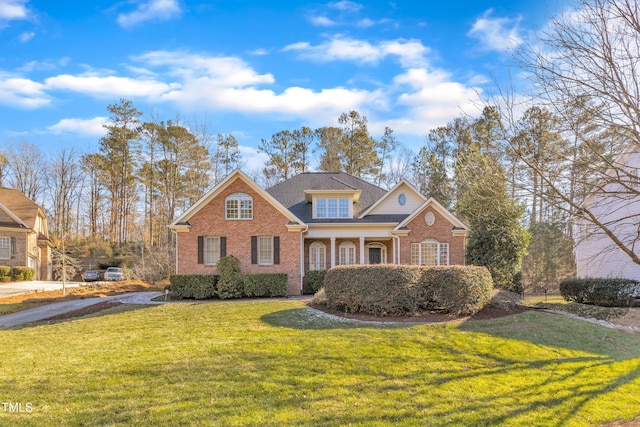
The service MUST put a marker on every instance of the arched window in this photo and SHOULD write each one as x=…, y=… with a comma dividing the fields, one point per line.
x=430, y=252
x=376, y=253
x=238, y=206
x=347, y=252
x=317, y=256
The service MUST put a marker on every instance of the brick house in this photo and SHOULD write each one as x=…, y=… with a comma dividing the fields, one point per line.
x=314, y=221
x=24, y=238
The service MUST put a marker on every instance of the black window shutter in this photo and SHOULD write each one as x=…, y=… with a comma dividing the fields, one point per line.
x=200, y=249
x=14, y=248
x=223, y=247
x=254, y=249
x=276, y=249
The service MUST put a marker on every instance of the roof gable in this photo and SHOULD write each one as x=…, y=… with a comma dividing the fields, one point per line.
x=229, y=179
x=403, y=198
x=433, y=203
x=19, y=208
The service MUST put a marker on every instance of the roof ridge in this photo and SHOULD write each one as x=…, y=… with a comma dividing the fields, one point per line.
x=342, y=182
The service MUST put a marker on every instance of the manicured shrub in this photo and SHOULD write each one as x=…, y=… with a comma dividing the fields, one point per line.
x=5, y=273
x=392, y=290
x=315, y=279
x=265, y=284
x=612, y=292
x=230, y=284
x=381, y=290
x=461, y=290
x=194, y=286
x=20, y=274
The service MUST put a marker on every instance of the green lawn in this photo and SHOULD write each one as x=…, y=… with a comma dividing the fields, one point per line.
x=275, y=363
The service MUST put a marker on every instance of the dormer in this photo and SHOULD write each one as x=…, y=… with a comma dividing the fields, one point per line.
x=332, y=204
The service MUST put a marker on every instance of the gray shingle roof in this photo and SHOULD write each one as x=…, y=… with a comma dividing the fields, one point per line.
x=291, y=194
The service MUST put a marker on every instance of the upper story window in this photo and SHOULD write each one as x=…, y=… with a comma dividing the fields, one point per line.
x=332, y=207
x=238, y=206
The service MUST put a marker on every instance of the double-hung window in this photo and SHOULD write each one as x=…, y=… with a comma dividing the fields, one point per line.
x=265, y=250
x=212, y=250
x=5, y=247
x=238, y=206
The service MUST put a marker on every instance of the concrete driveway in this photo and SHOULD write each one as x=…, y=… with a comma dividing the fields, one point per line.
x=45, y=311
x=17, y=288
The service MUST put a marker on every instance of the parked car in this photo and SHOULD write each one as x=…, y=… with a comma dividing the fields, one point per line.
x=90, y=276
x=113, y=273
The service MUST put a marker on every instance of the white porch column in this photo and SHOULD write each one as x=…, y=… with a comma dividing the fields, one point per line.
x=362, y=250
x=333, y=252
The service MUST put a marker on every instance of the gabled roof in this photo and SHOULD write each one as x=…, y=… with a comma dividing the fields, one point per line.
x=455, y=222
x=388, y=194
x=291, y=193
x=237, y=174
x=19, y=207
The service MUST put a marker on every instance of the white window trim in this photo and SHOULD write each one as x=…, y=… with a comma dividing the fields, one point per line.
x=7, y=246
x=320, y=248
x=316, y=203
x=350, y=251
x=439, y=252
x=259, y=243
x=207, y=241
x=238, y=197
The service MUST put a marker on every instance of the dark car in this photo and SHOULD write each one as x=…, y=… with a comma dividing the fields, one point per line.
x=90, y=276
x=113, y=273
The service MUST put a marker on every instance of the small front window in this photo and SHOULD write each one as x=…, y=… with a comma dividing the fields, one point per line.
x=212, y=250
x=265, y=250
x=239, y=206
x=5, y=247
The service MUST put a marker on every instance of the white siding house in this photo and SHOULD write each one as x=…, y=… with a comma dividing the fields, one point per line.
x=616, y=205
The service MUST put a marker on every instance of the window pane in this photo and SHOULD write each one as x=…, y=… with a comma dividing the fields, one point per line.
x=246, y=209
x=212, y=250
x=321, y=208
x=317, y=255
x=415, y=253
x=232, y=209
x=344, y=208
x=347, y=254
x=265, y=250
x=5, y=247
x=444, y=254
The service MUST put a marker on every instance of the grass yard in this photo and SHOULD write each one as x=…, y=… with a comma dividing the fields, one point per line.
x=279, y=363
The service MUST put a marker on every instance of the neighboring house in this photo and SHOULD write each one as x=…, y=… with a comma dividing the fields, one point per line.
x=24, y=239
x=314, y=221
x=615, y=202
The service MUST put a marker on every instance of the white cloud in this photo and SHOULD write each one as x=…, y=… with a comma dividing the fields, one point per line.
x=498, y=34
x=339, y=48
x=152, y=10
x=322, y=21
x=23, y=93
x=345, y=6
x=25, y=37
x=83, y=127
x=109, y=86
x=13, y=10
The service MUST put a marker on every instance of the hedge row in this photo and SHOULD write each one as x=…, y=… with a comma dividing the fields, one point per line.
x=265, y=285
x=207, y=286
x=315, y=279
x=16, y=274
x=194, y=286
x=396, y=290
x=602, y=292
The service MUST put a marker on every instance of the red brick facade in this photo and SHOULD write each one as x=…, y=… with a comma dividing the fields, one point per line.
x=440, y=230
x=209, y=221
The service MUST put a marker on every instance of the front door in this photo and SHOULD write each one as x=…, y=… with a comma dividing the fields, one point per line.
x=375, y=255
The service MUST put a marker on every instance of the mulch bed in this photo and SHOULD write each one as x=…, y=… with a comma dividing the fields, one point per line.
x=428, y=316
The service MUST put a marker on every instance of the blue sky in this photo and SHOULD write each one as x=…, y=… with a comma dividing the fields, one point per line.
x=251, y=68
